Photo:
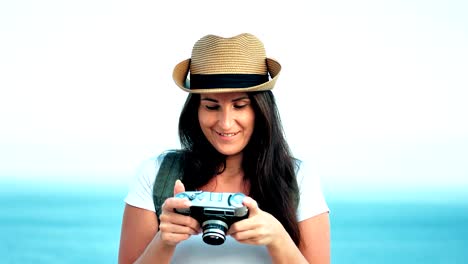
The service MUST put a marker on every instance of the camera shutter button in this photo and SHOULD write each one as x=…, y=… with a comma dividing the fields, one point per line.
x=236, y=199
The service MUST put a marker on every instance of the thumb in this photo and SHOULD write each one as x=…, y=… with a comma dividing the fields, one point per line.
x=251, y=205
x=178, y=187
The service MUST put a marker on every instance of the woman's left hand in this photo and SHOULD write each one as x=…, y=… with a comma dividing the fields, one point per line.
x=260, y=228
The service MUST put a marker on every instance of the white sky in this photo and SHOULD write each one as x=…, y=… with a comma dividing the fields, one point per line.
x=373, y=92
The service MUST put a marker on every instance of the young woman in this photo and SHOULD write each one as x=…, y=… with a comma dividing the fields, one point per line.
x=232, y=141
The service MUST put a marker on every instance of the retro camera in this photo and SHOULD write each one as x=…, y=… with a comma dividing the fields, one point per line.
x=215, y=212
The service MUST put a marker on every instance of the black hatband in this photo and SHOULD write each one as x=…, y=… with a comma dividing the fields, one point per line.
x=208, y=81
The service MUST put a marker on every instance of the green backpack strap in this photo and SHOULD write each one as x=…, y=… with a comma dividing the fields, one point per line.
x=169, y=171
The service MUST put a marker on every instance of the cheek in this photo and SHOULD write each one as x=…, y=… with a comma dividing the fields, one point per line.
x=250, y=122
x=204, y=120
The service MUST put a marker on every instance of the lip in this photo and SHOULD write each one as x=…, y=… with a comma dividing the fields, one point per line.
x=227, y=135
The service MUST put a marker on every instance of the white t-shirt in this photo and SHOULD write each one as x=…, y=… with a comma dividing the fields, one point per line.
x=194, y=250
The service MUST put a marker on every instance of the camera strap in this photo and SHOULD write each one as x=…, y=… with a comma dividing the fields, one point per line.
x=169, y=171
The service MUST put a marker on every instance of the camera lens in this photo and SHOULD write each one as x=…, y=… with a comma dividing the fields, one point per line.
x=214, y=231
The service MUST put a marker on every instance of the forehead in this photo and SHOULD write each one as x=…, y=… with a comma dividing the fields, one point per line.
x=224, y=96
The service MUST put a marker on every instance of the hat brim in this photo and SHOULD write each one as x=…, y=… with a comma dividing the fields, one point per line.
x=181, y=71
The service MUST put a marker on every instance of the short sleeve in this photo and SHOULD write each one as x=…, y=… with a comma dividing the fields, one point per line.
x=141, y=187
x=312, y=201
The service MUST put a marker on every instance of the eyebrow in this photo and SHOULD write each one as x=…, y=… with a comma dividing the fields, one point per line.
x=216, y=101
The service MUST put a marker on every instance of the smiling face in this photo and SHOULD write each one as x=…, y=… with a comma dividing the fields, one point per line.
x=227, y=121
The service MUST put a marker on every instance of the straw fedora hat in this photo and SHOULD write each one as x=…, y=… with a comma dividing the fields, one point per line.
x=221, y=65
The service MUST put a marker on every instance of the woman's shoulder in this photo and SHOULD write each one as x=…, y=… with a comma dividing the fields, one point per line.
x=141, y=187
x=312, y=201
x=157, y=159
x=305, y=169
x=150, y=166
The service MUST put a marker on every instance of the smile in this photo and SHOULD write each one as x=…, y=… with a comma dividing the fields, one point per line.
x=227, y=134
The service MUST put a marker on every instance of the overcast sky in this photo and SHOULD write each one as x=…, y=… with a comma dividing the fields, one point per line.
x=372, y=92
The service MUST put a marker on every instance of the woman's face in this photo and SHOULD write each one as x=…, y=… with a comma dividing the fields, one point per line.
x=227, y=121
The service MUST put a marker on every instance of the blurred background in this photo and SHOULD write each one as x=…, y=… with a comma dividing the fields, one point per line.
x=373, y=93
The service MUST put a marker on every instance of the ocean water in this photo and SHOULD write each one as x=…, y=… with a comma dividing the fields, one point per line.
x=81, y=224
x=399, y=232
x=59, y=225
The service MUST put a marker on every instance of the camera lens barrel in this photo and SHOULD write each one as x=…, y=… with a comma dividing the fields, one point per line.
x=214, y=231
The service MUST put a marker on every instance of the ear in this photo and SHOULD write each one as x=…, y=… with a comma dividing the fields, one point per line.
x=178, y=187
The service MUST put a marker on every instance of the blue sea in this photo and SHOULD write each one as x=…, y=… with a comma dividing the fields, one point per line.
x=81, y=224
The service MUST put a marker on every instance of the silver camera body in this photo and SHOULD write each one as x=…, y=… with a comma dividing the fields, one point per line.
x=215, y=211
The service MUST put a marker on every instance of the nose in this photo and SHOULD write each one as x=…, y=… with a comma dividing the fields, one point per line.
x=226, y=118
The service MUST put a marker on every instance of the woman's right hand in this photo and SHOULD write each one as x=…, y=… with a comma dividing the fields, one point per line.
x=175, y=227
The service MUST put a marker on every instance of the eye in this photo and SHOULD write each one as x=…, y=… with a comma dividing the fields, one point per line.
x=212, y=107
x=240, y=106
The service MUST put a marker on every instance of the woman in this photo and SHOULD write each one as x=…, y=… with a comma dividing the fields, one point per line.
x=232, y=141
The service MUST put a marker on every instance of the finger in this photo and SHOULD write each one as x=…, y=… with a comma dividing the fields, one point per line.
x=172, y=203
x=252, y=206
x=174, y=219
x=253, y=241
x=245, y=235
x=178, y=187
x=173, y=239
x=243, y=225
x=169, y=227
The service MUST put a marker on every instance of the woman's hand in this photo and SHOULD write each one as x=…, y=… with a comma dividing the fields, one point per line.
x=174, y=227
x=260, y=228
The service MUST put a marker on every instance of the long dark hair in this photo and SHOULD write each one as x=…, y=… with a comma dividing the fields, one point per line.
x=267, y=161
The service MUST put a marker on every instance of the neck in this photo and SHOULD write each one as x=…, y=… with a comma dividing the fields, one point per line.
x=231, y=179
x=233, y=166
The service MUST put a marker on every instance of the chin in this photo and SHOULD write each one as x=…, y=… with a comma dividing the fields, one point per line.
x=229, y=152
